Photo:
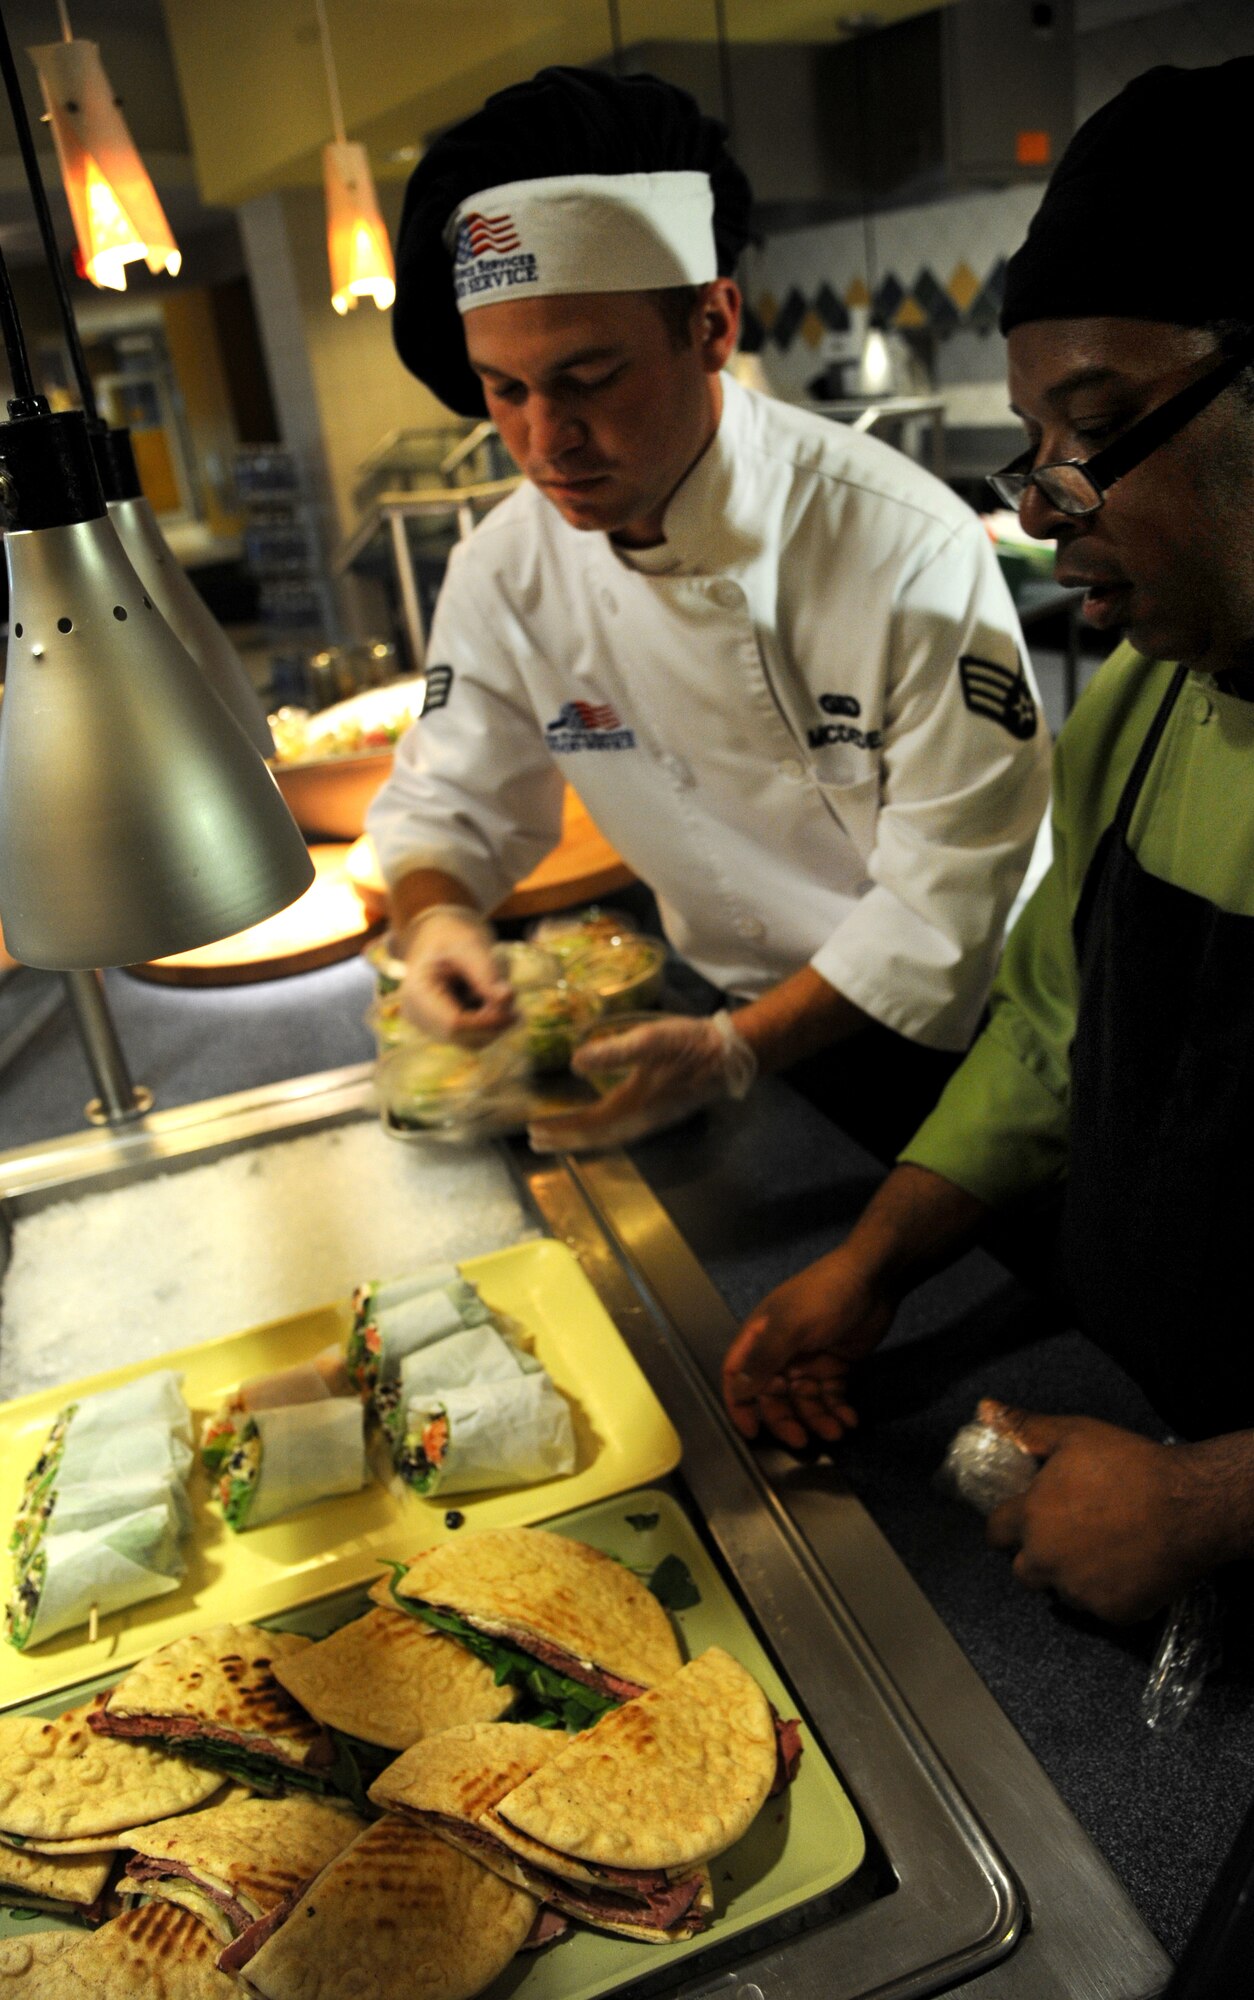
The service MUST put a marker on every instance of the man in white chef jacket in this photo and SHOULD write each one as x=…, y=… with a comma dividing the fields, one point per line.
x=775, y=658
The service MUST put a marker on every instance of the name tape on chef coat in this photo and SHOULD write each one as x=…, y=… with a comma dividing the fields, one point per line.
x=582, y=233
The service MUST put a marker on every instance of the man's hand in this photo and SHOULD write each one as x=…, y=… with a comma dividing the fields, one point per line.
x=668, y=1068
x=453, y=986
x=1113, y=1523
x=789, y=1365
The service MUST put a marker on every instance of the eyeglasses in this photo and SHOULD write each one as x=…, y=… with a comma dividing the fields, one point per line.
x=1079, y=486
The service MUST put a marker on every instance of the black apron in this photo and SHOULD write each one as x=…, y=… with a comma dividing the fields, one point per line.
x=1158, y=1221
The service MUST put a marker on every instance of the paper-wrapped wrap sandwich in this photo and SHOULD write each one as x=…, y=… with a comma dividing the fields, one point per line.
x=272, y=1461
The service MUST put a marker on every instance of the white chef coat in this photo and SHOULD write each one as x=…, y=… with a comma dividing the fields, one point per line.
x=766, y=716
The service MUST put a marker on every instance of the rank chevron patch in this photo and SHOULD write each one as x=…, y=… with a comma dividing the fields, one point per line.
x=1000, y=693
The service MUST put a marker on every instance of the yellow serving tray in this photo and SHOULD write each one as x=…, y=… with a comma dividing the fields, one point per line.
x=623, y=1436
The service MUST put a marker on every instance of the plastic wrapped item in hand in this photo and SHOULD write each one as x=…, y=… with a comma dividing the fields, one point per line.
x=603, y=954
x=554, y=1019
x=444, y=1088
x=985, y=1464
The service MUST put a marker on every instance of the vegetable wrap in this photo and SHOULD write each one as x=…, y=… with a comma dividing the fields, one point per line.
x=111, y=1566
x=508, y=1433
x=372, y=1299
x=96, y=1424
x=377, y=1346
x=283, y=1459
x=475, y=1355
x=94, y=1505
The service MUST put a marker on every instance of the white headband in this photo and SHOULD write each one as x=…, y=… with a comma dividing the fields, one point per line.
x=582, y=233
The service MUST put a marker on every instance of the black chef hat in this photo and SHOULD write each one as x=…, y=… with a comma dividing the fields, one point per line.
x=563, y=121
x=1142, y=218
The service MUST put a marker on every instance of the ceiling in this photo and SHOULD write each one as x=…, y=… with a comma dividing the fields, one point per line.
x=227, y=99
x=255, y=92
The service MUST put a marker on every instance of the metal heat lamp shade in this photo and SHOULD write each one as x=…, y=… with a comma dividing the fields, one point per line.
x=178, y=601
x=136, y=818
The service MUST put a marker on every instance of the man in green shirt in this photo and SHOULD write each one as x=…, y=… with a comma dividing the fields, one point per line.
x=1117, y=1063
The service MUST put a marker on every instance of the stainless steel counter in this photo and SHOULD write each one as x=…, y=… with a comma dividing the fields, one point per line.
x=979, y=1879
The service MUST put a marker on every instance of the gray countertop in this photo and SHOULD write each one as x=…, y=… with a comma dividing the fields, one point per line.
x=759, y=1191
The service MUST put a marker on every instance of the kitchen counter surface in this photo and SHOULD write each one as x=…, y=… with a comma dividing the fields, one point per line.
x=758, y=1191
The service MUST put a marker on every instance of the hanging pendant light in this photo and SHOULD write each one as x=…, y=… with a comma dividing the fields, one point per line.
x=358, y=249
x=117, y=216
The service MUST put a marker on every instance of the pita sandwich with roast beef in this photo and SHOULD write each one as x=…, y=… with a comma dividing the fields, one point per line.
x=575, y=1628
x=388, y=1680
x=399, y=1915
x=153, y=1953
x=636, y=1806
x=64, y=1786
x=213, y=1698
x=76, y=1886
x=233, y=1865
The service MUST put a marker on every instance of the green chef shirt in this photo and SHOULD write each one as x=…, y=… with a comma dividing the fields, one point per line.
x=1001, y=1128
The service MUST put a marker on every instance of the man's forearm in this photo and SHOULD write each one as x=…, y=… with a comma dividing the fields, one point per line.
x=422, y=889
x=914, y=1224
x=797, y=1018
x=1216, y=1497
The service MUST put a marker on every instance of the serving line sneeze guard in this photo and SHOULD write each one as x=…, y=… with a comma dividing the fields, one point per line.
x=978, y=1879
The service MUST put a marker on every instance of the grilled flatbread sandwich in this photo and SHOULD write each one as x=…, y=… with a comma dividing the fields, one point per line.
x=232, y=1865
x=153, y=1953
x=451, y=1785
x=640, y=1803
x=412, y=1918
x=73, y=1887
x=573, y=1627
x=60, y=1782
x=388, y=1680
x=213, y=1698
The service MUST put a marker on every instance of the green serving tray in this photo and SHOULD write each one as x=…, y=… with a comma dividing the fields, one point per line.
x=802, y=1845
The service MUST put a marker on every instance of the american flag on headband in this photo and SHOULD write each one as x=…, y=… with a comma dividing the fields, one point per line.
x=494, y=233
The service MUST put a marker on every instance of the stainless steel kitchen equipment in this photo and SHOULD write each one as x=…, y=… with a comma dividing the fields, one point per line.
x=979, y=1878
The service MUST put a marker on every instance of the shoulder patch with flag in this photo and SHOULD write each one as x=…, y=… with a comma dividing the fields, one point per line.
x=1000, y=693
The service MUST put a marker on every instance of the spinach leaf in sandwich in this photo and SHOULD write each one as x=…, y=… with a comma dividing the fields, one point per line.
x=271, y=1779
x=568, y=1703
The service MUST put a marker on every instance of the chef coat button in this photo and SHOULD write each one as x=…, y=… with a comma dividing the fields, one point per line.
x=609, y=600
x=728, y=596
x=1203, y=708
x=750, y=927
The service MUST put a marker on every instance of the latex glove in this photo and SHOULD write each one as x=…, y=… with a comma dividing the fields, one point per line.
x=788, y=1368
x=676, y=1064
x=453, y=986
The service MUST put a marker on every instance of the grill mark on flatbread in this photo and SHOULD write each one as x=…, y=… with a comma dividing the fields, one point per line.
x=219, y=1685
x=426, y=1923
